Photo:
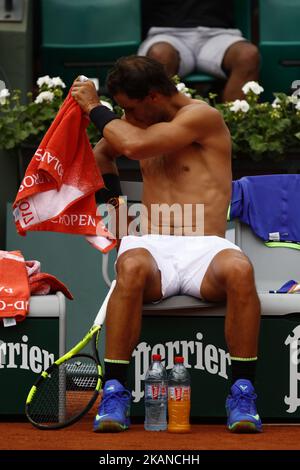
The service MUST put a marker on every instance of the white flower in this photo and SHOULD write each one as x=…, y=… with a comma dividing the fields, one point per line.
x=46, y=80
x=298, y=105
x=44, y=96
x=107, y=104
x=292, y=99
x=276, y=103
x=240, y=105
x=244, y=106
x=57, y=82
x=235, y=106
x=252, y=86
x=3, y=95
x=183, y=89
x=50, y=82
x=180, y=86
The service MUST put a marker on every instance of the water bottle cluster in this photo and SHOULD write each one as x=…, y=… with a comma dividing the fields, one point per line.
x=167, y=395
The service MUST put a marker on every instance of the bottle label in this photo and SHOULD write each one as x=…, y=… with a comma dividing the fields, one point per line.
x=155, y=391
x=180, y=393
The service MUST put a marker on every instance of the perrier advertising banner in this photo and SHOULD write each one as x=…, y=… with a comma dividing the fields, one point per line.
x=201, y=341
x=25, y=351
x=29, y=347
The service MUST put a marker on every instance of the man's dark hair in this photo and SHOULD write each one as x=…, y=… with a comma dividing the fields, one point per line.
x=136, y=76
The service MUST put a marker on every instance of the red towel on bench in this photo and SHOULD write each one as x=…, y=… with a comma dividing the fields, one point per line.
x=14, y=286
x=58, y=191
x=19, y=279
x=44, y=283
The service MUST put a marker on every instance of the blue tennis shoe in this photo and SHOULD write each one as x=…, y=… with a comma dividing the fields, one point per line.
x=241, y=408
x=114, y=409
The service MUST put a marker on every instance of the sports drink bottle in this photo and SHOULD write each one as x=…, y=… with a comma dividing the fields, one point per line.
x=179, y=397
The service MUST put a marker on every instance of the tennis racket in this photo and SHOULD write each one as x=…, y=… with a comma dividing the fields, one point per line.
x=67, y=390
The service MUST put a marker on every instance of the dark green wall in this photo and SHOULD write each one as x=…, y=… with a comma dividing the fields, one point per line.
x=16, y=46
x=8, y=188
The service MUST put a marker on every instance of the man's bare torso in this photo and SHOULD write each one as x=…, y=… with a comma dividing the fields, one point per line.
x=199, y=174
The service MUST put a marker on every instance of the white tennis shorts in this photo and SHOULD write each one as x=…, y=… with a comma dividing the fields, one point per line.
x=200, y=49
x=182, y=260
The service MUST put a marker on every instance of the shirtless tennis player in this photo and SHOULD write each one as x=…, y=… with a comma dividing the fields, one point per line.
x=184, y=149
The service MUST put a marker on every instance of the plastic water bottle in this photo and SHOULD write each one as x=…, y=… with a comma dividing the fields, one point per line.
x=179, y=397
x=156, y=396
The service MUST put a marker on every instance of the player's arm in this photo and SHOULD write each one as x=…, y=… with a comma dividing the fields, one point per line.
x=195, y=124
x=105, y=157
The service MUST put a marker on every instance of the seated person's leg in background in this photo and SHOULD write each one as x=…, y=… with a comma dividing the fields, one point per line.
x=138, y=281
x=230, y=276
x=221, y=53
x=167, y=55
x=171, y=51
x=225, y=54
x=241, y=64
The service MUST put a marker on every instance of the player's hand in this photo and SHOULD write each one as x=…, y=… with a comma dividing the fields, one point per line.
x=85, y=94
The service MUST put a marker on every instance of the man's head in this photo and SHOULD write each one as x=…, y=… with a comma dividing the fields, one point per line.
x=137, y=83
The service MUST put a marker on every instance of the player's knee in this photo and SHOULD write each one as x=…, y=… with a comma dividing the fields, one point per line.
x=132, y=271
x=239, y=276
x=166, y=55
x=247, y=58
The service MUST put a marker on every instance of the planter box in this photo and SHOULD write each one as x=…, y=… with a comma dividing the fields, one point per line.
x=246, y=167
x=241, y=166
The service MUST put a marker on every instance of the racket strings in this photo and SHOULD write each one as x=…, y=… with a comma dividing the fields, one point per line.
x=66, y=392
x=81, y=375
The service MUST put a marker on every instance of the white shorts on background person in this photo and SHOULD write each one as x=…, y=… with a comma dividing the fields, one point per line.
x=201, y=49
x=182, y=260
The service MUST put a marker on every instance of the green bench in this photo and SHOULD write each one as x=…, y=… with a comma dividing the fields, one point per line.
x=279, y=45
x=86, y=37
